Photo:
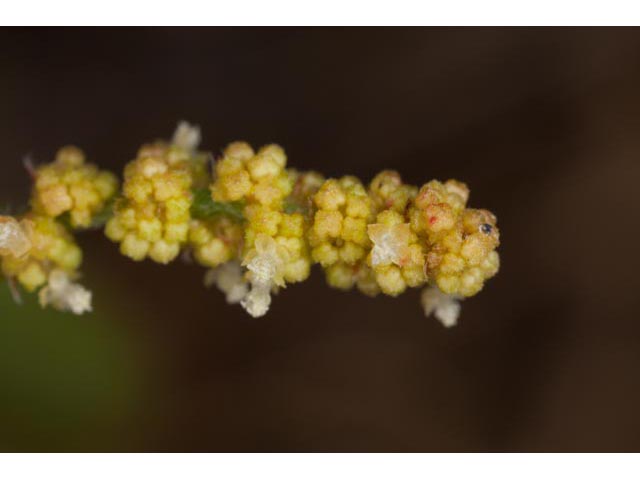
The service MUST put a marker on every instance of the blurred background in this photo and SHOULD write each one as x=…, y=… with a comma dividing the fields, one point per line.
x=543, y=124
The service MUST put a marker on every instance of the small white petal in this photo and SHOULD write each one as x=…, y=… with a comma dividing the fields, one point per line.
x=446, y=308
x=257, y=301
x=187, y=136
x=265, y=263
x=382, y=254
x=263, y=268
x=390, y=243
x=229, y=280
x=14, y=238
x=65, y=295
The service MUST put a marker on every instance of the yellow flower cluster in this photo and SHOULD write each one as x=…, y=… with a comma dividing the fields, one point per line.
x=68, y=184
x=397, y=257
x=387, y=191
x=215, y=241
x=256, y=178
x=288, y=231
x=256, y=225
x=343, y=276
x=339, y=230
x=275, y=249
x=152, y=218
x=338, y=234
x=45, y=245
x=460, y=242
x=412, y=237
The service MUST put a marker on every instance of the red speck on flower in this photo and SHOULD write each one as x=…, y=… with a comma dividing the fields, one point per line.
x=433, y=220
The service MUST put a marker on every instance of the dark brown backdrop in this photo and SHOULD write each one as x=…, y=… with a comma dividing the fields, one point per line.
x=543, y=124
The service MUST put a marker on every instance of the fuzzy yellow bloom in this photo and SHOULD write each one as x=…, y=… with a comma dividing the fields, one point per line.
x=215, y=241
x=339, y=228
x=260, y=178
x=412, y=236
x=152, y=218
x=255, y=224
x=343, y=276
x=461, y=242
x=387, y=191
x=275, y=226
x=288, y=231
x=39, y=251
x=51, y=247
x=437, y=206
x=68, y=184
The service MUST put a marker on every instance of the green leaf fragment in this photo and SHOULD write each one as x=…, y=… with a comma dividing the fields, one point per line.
x=204, y=207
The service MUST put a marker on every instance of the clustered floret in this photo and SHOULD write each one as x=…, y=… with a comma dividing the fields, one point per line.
x=152, y=217
x=274, y=251
x=215, y=241
x=38, y=252
x=461, y=241
x=256, y=225
x=397, y=257
x=339, y=230
x=69, y=185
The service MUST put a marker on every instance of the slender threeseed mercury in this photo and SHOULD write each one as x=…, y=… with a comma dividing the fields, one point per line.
x=255, y=223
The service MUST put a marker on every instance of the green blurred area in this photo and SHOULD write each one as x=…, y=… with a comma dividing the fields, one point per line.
x=66, y=382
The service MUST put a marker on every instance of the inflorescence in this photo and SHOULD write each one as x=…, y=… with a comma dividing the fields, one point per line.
x=255, y=224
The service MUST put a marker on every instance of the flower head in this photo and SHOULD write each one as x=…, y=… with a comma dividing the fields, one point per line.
x=339, y=229
x=152, y=218
x=70, y=185
x=51, y=247
x=65, y=295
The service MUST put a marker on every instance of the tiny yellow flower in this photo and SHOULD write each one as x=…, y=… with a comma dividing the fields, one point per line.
x=152, y=218
x=70, y=185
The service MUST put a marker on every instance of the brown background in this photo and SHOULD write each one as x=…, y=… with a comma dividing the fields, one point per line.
x=543, y=124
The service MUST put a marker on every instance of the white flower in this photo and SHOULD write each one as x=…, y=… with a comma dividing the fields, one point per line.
x=186, y=136
x=390, y=243
x=14, y=237
x=65, y=295
x=265, y=263
x=258, y=300
x=445, y=308
x=229, y=280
